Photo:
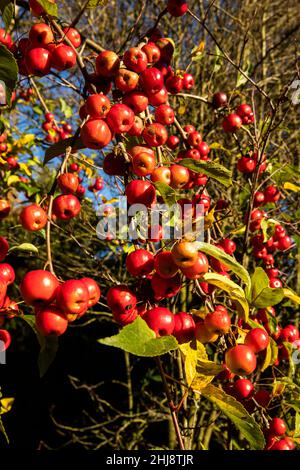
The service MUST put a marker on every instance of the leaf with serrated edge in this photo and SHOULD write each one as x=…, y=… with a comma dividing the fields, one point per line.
x=137, y=338
x=229, y=261
x=212, y=169
x=235, y=411
x=235, y=292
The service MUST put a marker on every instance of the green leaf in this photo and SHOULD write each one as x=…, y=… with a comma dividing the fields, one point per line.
x=268, y=228
x=259, y=281
x=212, y=169
x=59, y=148
x=235, y=292
x=50, y=8
x=235, y=411
x=229, y=261
x=137, y=338
x=24, y=247
x=65, y=108
x=261, y=294
x=7, y=11
x=8, y=71
x=167, y=193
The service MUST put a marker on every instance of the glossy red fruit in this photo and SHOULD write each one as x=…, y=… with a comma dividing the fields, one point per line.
x=188, y=81
x=140, y=192
x=121, y=299
x=97, y=105
x=257, y=339
x=284, y=243
x=174, y=84
x=107, y=64
x=218, y=322
x=63, y=57
x=281, y=445
x=155, y=134
x=245, y=112
x=165, y=288
x=4, y=208
x=151, y=80
x=126, y=317
x=152, y=52
x=140, y=262
x=143, y=164
x=7, y=273
x=51, y=321
x=219, y=100
x=4, y=247
x=93, y=290
x=95, y=134
x=66, y=206
x=262, y=397
x=135, y=59
x=228, y=245
x=39, y=287
x=33, y=218
x=259, y=198
x=173, y=142
x=203, y=335
x=40, y=35
x=68, y=183
x=38, y=61
x=72, y=297
x=162, y=174
x=137, y=128
x=243, y=388
x=271, y=193
x=275, y=283
x=198, y=269
x=160, y=320
x=232, y=123
x=277, y=427
x=120, y=118
x=3, y=290
x=184, y=328
x=126, y=80
x=5, y=340
x=136, y=100
x=73, y=35
x=180, y=176
x=164, y=114
x=177, y=7
x=194, y=138
x=5, y=38
x=164, y=265
x=289, y=333
x=240, y=360
x=246, y=164
x=158, y=98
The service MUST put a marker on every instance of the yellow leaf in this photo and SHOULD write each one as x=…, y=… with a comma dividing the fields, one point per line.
x=278, y=389
x=5, y=405
x=291, y=295
x=12, y=179
x=201, y=313
x=181, y=110
x=26, y=139
x=24, y=168
x=239, y=231
x=2, y=161
x=9, y=148
x=209, y=219
x=291, y=187
x=271, y=355
x=235, y=292
x=190, y=361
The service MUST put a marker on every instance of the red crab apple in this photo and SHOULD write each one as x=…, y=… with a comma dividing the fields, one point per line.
x=93, y=290
x=66, y=206
x=5, y=340
x=143, y=164
x=140, y=262
x=137, y=127
x=262, y=397
x=228, y=245
x=185, y=254
x=197, y=269
x=155, y=134
x=166, y=47
x=177, y=7
x=277, y=427
x=174, y=84
x=162, y=173
x=39, y=288
x=184, y=328
x=164, y=114
x=165, y=288
x=38, y=61
x=136, y=100
x=73, y=35
x=121, y=299
x=95, y=134
x=218, y=321
x=4, y=247
x=151, y=80
x=180, y=176
x=281, y=445
x=126, y=80
x=68, y=183
x=120, y=118
x=232, y=123
x=63, y=57
x=3, y=289
x=158, y=98
x=97, y=105
x=188, y=81
x=7, y=273
x=135, y=59
x=73, y=297
x=4, y=208
x=203, y=335
x=140, y=192
x=40, y=35
x=5, y=38
x=33, y=218
x=126, y=317
x=246, y=164
x=194, y=138
x=107, y=64
x=164, y=264
x=243, y=388
x=114, y=164
x=240, y=359
x=284, y=243
x=160, y=320
x=173, y=142
x=219, y=100
x=152, y=52
x=51, y=321
x=257, y=339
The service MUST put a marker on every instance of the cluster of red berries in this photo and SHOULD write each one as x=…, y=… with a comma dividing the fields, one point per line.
x=26, y=94
x=57, y=304
x=54, y=132
x=248, y=163
x=42, y=51
x=243, y=116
